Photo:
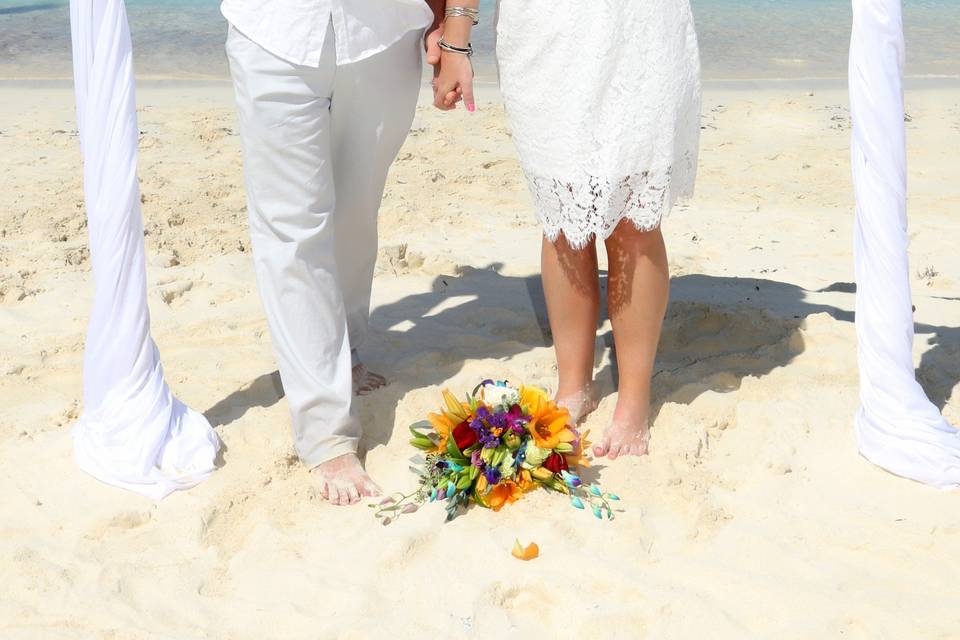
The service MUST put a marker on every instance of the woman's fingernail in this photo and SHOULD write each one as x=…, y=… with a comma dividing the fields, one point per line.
x=471, y=108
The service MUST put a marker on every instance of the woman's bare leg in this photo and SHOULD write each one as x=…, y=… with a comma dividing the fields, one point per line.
x=572, y=290
x=637, y=292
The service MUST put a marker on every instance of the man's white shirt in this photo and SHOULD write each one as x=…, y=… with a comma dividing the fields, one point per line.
x=295, y=30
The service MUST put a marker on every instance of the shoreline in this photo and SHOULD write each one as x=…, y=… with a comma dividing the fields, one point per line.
x=911, y=83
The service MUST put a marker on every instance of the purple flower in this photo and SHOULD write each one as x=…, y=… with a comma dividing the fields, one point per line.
x=476, y=460
x=492, y=474
x=482, y=424
x=516, y=420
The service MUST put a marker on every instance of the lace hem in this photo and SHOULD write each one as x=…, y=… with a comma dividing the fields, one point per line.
x=595, y=206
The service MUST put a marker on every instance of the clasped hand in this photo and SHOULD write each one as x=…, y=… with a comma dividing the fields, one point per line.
x=452, y=75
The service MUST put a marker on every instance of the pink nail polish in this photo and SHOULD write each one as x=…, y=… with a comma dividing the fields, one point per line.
x=471, y=108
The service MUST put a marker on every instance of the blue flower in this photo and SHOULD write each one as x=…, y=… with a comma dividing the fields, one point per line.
x=571, y=479
x=492, y=474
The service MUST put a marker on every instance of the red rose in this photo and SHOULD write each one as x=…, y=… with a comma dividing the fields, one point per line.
x=464, y=436
x=556, y=463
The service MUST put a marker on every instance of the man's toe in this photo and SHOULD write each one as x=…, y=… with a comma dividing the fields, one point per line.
x=333, y=493
x=353, y=495
x=369, y=488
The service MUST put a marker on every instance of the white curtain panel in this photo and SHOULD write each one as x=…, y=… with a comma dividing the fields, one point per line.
x=897, y=427
x=133, y=433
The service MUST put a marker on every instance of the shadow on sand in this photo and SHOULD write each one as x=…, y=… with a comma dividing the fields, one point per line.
x=718, y=330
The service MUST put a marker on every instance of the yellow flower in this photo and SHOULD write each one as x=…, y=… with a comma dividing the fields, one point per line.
x=578, y=458
x=526, y=482
x=445, y=422
x=549, y=423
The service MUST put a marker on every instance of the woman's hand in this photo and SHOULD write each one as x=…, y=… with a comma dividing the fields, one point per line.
x=454, y=82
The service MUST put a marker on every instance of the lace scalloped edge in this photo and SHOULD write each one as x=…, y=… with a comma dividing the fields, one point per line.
x=594, y=208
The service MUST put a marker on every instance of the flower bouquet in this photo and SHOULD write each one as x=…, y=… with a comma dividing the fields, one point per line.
x=491, y=450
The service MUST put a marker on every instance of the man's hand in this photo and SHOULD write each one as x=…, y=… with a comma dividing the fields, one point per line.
x=434, y=31
x=431, y=44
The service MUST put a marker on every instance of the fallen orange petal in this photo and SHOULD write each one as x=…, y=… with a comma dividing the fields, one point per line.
x=529, y=552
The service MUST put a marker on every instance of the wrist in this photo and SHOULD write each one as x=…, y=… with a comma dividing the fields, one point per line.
x=461, y=40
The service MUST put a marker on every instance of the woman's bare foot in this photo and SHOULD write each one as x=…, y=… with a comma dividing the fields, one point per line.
x=343, y=480
x=629, y=430
x=624, y=439
x=366, y=381
x=580, y=404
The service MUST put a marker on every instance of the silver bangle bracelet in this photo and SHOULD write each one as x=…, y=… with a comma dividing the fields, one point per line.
x=446, y=46
x=464, y=12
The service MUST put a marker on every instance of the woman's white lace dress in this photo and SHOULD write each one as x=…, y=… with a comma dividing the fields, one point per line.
x=603, y=99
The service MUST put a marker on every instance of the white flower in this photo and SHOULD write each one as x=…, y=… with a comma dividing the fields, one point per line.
x=495, y=395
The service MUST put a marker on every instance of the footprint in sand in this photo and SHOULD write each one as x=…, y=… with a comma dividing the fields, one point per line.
x=171, y=291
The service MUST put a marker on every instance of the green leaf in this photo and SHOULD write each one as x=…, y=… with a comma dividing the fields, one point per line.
x=464, y=482
x=423, y=444
x=416, y=426
x=452, y=449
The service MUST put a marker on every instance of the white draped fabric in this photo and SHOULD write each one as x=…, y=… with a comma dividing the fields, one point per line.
x=897, y=427
x=133, y=433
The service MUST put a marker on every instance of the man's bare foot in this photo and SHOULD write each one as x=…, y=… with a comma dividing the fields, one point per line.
x=624, y=439
x=343, y=480
x=580, y=404
x=365, y=381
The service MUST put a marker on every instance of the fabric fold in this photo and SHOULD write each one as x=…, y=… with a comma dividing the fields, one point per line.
x=133, y=433
x=897, y=426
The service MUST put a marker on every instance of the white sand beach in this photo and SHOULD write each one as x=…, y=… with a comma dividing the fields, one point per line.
x=753, y=516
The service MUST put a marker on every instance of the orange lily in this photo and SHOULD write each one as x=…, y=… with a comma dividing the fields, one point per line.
x=549, y=423
x=503, y=493
x=527, y=553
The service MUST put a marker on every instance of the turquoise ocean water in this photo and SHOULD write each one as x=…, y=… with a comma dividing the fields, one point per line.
x=739, y=39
